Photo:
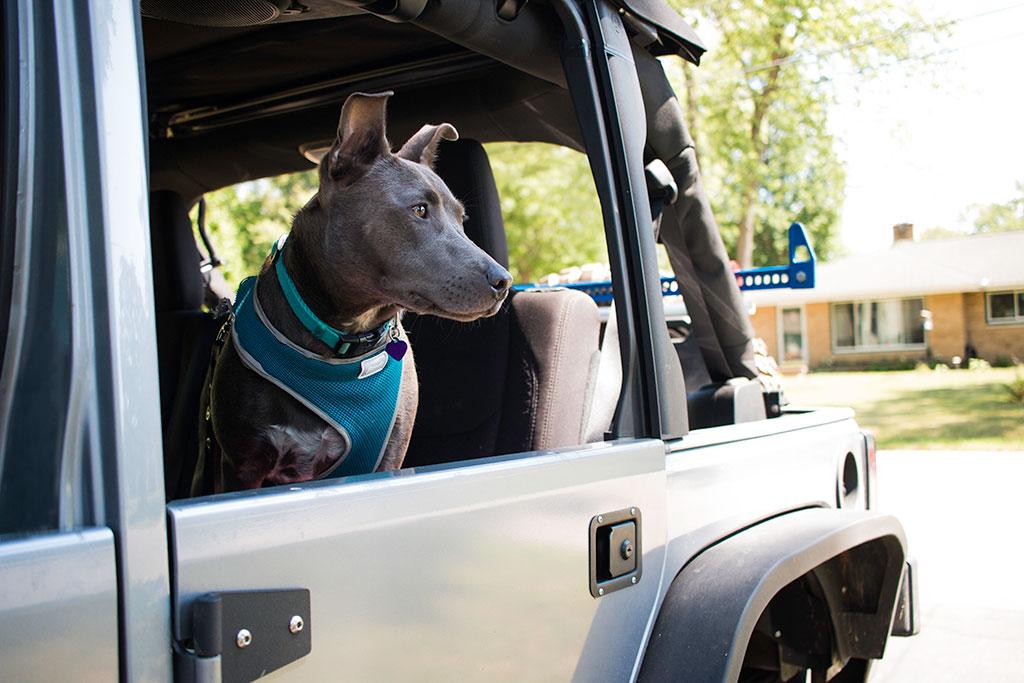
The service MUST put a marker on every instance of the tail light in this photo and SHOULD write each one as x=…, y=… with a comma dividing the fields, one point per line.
x=871, y=468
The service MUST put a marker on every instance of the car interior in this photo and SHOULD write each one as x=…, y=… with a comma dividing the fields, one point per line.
x=234, y=94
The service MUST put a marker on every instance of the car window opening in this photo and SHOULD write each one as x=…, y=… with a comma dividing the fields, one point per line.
x=547, y=370
x=532, y=377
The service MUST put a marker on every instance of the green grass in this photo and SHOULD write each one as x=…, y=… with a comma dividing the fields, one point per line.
x=957, y=409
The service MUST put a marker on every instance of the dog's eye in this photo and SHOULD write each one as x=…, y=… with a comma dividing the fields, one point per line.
x=420, y=210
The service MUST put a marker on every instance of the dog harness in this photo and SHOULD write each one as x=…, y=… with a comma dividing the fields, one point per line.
x=357, y=396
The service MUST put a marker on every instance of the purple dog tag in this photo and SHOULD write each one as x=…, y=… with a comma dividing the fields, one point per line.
x=396, y=348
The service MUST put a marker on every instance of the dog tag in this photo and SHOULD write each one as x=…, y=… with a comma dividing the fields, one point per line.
x=372, y=365
x=396, y=348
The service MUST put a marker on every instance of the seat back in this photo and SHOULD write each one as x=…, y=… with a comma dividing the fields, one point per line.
x=478, y=388
x=185, y=335
x=518, y=381
x=562, y=329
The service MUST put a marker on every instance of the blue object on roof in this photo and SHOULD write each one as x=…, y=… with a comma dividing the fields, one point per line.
x=799, y=274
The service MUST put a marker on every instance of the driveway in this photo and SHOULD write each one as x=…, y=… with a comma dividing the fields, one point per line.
x=963, y=514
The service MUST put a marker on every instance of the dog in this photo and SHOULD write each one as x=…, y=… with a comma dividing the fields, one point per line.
x=382, y=235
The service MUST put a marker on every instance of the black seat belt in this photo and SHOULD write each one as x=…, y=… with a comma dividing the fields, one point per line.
x=211, y=261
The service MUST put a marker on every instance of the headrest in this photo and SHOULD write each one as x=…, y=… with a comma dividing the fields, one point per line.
x=463, y=165
x=177, y=280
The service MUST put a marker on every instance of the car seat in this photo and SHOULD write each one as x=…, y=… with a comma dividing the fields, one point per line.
x=185, y=334
x=521, y=380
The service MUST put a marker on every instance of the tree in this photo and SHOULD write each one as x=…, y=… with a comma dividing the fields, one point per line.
x=244, y=220
x=550, y=206
x=999, y=217
x=759, y=106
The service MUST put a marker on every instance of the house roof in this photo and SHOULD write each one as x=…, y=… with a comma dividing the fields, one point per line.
x=960, y=264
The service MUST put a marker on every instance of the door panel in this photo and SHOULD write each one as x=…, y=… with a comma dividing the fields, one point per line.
x=58, y=607
x=479, y=570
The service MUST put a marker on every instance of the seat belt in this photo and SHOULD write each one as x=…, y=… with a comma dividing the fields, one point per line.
x=211, y=261
x=662, y=191
x=215, y=289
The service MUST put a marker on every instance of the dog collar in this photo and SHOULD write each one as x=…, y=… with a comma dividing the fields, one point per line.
x=334, y=338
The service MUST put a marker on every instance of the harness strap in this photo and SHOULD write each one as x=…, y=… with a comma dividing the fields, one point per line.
x=204, y=480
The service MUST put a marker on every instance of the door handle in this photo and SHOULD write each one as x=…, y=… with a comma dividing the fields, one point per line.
x=615, y=551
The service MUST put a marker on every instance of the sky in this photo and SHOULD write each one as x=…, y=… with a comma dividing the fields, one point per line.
x=921, y=148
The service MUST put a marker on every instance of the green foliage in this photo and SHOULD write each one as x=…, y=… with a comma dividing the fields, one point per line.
x=759, y=107
x=1015, y=390
x=551, y=210
x=999, y=217
x=244, y=220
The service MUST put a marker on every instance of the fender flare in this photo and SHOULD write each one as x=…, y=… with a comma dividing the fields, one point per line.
x=714, y=602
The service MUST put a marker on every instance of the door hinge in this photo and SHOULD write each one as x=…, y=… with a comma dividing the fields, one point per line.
x=243, y=635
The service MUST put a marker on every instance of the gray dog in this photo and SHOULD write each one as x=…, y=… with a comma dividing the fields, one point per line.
x=383, y=234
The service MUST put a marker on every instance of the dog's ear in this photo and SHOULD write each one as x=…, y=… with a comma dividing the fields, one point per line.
x=361, y=136
x=422, y=147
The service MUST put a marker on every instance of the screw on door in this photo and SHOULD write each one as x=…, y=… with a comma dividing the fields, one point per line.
x=244, y=638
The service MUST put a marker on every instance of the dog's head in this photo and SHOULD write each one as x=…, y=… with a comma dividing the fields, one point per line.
x=393, y=230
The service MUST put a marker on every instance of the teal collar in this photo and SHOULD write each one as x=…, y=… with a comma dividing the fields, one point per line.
x=334, y=338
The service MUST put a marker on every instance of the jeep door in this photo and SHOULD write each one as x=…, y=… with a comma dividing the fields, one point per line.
x=479, y=570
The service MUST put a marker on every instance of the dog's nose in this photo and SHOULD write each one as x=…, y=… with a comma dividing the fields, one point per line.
x=499, y=279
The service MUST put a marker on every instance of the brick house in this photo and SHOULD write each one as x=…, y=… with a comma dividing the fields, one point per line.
x=929, y=299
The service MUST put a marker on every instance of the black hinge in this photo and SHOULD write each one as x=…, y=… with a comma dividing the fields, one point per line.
x=243, y=635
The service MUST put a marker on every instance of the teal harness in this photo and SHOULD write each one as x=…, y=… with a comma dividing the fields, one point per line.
x=357, y=396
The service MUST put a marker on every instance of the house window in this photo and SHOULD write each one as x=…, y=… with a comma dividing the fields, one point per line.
x=892, y=324
x=1004, y=307
x=792, y=335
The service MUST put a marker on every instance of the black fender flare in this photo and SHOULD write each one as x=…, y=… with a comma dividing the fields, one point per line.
x=712, y=605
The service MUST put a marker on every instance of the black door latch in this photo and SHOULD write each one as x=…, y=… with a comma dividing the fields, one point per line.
x=615, y=551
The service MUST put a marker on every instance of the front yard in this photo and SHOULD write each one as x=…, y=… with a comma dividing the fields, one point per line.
x=956, y=409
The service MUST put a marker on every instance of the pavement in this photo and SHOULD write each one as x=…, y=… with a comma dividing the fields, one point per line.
x=962, y=511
